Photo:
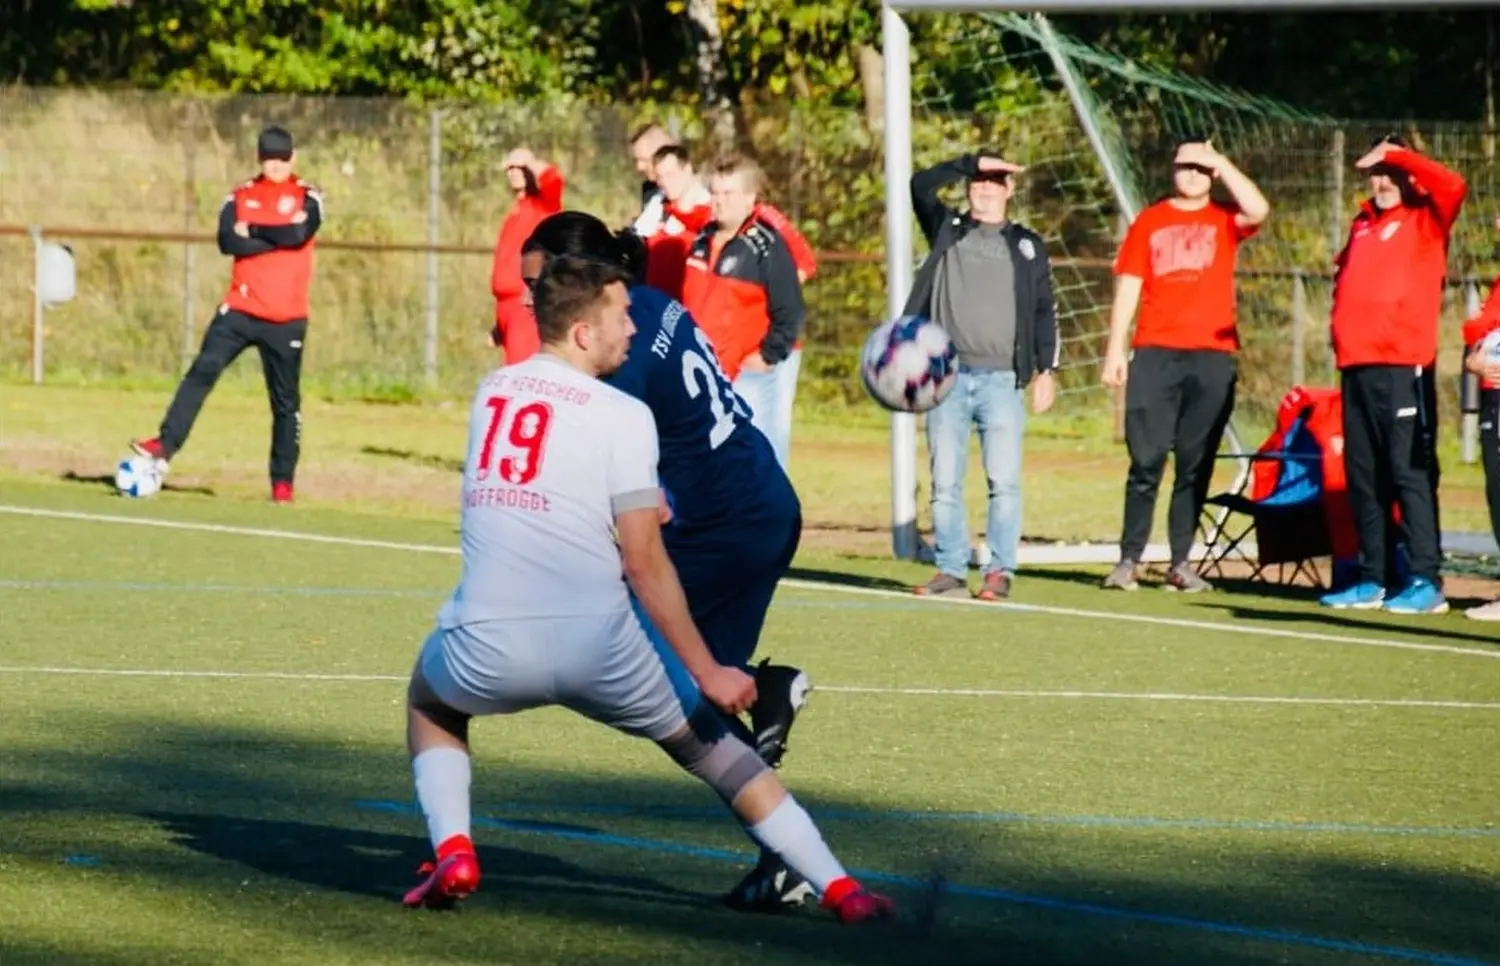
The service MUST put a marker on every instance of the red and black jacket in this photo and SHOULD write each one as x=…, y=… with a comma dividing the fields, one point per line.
x=273, y=267
x=746, y=297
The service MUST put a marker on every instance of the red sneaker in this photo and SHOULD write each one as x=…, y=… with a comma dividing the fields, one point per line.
x=151, y=448
x=852, y=902
x=281, y=492
x=451, y=878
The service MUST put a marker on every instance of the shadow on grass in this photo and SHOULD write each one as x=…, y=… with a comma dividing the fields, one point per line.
x=256, y=832
x=1422, y=629
x=107, y=482
x=416, y=459
x=845, y=579
x=382, y=865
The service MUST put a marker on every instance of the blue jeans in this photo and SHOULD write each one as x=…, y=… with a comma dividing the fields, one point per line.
x=990, y=400
x=771, y=396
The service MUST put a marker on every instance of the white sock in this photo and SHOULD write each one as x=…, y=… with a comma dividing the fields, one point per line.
x=790, y=833
x=442, y=778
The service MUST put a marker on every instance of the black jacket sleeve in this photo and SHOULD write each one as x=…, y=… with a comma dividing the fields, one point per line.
x=1044, y=326
x=925, y=185
x=238, y=245
x=294, y=236
x=783, y=303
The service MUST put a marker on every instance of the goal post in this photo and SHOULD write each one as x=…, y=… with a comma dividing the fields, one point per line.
x=1114, y=170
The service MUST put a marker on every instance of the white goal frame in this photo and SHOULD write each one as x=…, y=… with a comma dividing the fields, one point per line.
x=900, y=252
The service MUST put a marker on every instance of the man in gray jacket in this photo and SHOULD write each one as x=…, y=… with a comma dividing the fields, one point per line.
x=988, y=283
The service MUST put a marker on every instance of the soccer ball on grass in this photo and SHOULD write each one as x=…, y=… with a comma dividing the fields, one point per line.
x=138, y=476
x=909, y=364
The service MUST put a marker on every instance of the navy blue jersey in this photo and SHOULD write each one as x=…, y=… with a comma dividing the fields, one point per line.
x=714, y=465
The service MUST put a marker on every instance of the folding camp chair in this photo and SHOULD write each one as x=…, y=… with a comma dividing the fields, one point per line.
x=1284, y=511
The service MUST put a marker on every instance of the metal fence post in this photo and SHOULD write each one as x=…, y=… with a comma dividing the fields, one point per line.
x=38, y=336
x=189, y=250
x=1299, y=327
x=434, y=214
x=1336, y=195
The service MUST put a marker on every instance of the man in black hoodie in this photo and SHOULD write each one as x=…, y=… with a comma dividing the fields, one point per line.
x=988, y=283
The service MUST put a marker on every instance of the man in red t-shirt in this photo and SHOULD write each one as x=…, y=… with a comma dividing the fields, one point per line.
x=538, y=189
x=1176, y=266
x=267, y=225
x=1484, y=361
x=1387, y=297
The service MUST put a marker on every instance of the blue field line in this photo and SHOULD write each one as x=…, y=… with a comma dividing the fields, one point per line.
x=665, y=847
x=1012, y=818
x=129, y=586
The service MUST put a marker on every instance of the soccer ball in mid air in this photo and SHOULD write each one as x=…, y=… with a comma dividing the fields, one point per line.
x=909, y=364
x=138, y=476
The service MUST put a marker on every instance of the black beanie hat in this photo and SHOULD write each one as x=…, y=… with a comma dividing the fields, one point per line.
x=275, y=142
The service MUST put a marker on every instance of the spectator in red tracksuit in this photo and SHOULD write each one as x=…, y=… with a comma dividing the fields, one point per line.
x=538, y=188
x=1386, y=300
x=267, y=225
x=1486, y=365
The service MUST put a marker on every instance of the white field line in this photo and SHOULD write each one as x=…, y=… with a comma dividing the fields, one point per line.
x=821, y=587
x=1147, y=696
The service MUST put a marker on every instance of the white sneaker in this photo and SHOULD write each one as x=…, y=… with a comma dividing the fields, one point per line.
x=1485, y=612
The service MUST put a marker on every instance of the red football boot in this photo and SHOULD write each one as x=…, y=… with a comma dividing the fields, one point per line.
x=852, y=902
x=454, y=876
x=151, y=448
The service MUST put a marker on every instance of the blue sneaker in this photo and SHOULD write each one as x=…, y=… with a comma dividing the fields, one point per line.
x=1366, y=596
x=1421, y=596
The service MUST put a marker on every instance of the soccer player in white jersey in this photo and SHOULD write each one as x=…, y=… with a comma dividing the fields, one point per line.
x=560, y=501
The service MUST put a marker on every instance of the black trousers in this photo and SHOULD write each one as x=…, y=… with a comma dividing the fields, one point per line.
x=1489, y=449
x=1390, y=457
x=1177, y=401
x=280, y=347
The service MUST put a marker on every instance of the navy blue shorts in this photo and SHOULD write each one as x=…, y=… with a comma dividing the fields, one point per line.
x=729, y=577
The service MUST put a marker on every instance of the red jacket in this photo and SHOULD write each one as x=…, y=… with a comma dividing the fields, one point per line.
x=667, y=246
x=802, y=253
x=514, y=323
x=1388, y=290
x=1487, y=321
x=273, y=267
x=745, y=296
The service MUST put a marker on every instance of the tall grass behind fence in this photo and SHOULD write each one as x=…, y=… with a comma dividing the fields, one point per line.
x=134, y=162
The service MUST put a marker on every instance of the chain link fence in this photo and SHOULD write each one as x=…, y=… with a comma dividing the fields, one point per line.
x=415, y=195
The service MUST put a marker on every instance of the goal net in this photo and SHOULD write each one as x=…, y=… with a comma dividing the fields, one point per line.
x=1095, y=131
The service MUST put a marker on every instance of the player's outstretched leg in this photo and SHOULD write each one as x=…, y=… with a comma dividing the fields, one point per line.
x=771, y=815
x=437, y=737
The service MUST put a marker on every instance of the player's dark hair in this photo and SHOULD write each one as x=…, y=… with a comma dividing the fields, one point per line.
x=1187, y=139
x=569, y=288
x=580, y=233
x=672, y=151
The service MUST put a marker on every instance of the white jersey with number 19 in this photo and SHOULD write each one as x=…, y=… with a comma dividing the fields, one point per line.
x=554, y=454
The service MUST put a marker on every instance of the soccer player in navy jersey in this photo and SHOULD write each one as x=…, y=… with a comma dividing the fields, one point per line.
x=734, y=518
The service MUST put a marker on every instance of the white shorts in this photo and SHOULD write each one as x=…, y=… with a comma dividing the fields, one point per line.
x=600, y=665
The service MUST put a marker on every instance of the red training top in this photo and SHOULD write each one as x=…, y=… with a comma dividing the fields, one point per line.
x=513, y=320
x=1388, y=290
x=1185, y=261
x=1487, y=321
x=272, y=286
